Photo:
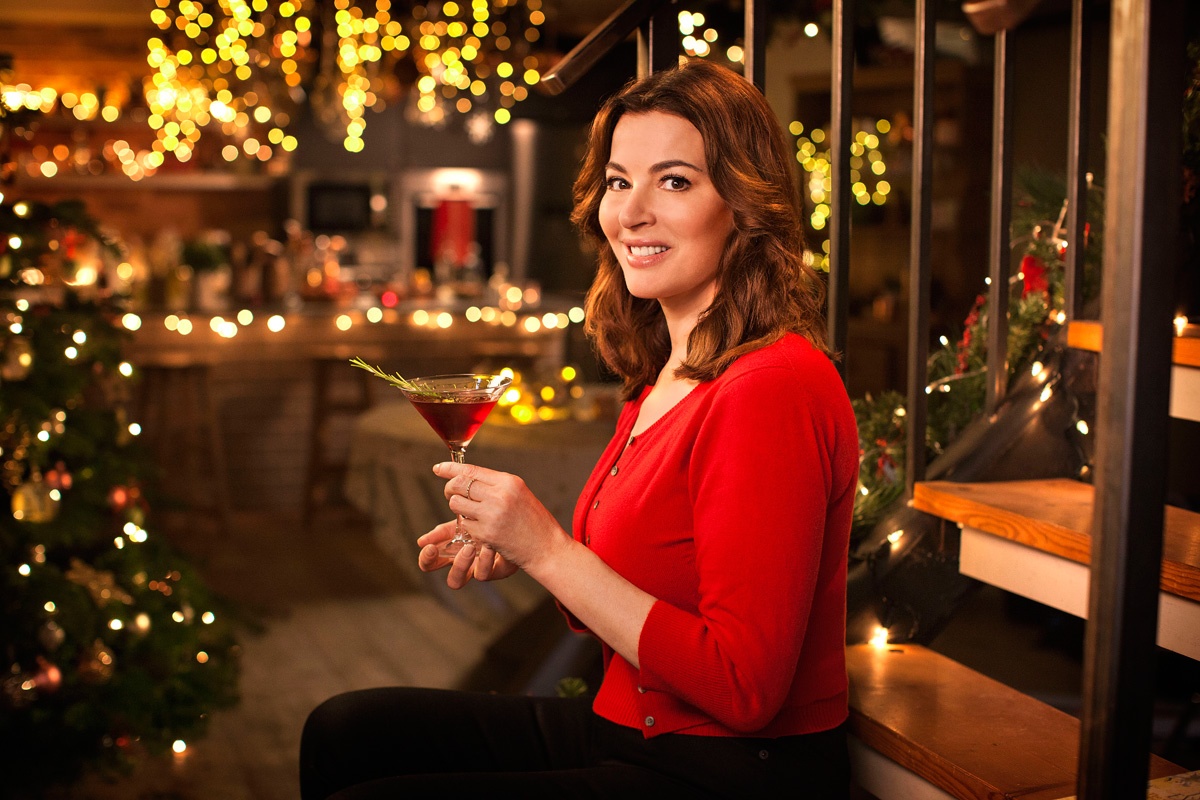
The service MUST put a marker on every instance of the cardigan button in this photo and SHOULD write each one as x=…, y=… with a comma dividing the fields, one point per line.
x=764, y=755
x=614, y=471
x=596, y=504
x=641, y=690
x=649, y=722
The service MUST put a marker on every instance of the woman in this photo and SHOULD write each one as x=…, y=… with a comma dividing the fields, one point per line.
x=709, y=547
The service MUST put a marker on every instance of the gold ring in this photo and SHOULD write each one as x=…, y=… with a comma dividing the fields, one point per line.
x=468, y=494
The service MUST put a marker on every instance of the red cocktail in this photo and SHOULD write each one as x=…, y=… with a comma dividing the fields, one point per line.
x=455, y=406
x=454, y=419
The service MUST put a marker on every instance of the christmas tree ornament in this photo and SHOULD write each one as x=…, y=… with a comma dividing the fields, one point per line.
x=51, y=635
x=57, y=477
x=101, y=585
x=96, y=664
x=48, y=677
x=32, y=501
x=17, y=359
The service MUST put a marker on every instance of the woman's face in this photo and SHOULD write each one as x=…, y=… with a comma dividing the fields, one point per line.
x=661, y=213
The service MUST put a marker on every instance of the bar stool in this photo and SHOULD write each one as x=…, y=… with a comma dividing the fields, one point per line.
x=178, y=417
x=325, y=469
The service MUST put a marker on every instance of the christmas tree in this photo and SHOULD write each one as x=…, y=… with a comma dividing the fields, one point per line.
x=111, y=646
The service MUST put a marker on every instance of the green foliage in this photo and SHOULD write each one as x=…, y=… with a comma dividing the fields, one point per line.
x=571, y=687
x=110, y=643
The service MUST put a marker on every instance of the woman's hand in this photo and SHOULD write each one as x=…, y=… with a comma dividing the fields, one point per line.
x=511, y=528
x=488, y=566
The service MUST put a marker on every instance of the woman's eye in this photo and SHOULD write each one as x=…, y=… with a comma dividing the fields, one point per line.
x=615, y=182
x=676, y=183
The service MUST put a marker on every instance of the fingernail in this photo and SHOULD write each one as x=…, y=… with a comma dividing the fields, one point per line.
x=469, y=549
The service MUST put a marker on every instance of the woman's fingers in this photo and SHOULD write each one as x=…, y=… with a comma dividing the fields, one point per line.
x=461, y=567
x=485, y=564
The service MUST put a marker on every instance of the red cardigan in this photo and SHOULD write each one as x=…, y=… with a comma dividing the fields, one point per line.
x=733, y=510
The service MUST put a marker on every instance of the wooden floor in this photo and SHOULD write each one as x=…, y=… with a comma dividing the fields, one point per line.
x=328, y=613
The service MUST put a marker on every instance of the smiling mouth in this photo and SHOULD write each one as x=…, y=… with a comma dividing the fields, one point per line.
x=653, y=250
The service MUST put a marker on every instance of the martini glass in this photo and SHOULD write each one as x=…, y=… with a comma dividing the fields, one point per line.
x=455, y=406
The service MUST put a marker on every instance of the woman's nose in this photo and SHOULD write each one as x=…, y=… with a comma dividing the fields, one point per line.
x=637, y=209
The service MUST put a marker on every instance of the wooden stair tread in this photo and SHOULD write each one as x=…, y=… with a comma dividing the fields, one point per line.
x=1087, y=335
x=960, y=730
x=1055, y=516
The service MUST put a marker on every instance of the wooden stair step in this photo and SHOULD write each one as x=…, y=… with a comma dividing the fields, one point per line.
x=1055, y=516
x=1185, y=358
x=959, y=731
x=1089, y=335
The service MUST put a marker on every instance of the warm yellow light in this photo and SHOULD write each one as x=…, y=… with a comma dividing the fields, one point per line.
x=568, y=373
x=344, y=322
x=445, y=319
x=576, y=314
x=879, y=638
x=420, y=317
x=1181, y=322
x=275, y=323
x=131, y=321
x=533, y=324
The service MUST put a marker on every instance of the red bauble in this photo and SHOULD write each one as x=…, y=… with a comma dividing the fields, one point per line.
x=1034, y=270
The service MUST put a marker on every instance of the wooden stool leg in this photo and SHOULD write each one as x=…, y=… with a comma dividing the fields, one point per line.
x=215, y=447
x=321, y=470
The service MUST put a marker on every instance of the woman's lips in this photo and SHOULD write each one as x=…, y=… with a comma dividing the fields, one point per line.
x=641, y=255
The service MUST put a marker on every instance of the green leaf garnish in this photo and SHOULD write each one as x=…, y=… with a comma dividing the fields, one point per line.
x=394, y=378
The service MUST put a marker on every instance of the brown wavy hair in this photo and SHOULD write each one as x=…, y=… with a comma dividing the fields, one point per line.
x=764, y=287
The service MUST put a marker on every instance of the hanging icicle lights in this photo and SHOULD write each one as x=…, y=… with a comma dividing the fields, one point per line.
x=236, y=64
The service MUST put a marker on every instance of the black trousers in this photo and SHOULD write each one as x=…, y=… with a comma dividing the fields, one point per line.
x=402, y=742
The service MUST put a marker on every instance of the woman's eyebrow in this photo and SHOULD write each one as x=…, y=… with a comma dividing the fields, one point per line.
x=661, y=166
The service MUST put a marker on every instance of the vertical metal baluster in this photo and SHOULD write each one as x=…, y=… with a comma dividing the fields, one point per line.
x=1141, y=236
x=1077, y=156
x=842, y=93
x=658, y=41
x=999, y=251
x=919, y=245
x=754, y=41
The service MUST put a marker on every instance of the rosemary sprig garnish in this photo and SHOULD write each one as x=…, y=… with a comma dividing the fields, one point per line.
x=395, y=379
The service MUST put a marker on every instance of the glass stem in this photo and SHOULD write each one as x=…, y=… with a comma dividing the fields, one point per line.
x=459, y=456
